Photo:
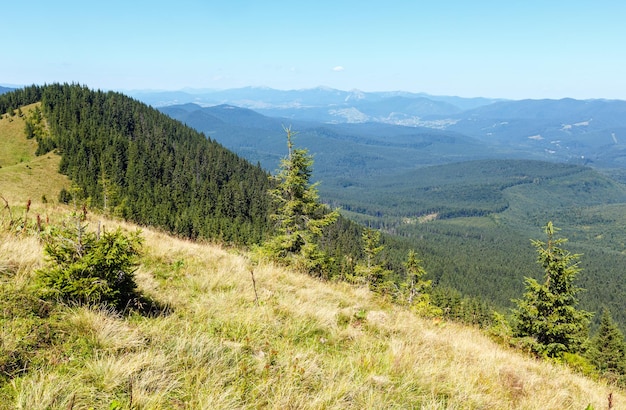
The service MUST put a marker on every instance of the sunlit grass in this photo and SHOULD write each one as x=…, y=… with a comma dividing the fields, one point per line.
x=306, y=344
x=15, y=147
x=24, y=176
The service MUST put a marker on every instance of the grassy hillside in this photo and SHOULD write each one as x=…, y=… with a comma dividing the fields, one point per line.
x=303, y=344
x=23, y=175
x=221, y=340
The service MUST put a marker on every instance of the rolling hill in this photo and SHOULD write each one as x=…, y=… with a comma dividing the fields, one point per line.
x=146, y=167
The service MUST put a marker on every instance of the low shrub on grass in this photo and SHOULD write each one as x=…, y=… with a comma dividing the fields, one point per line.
x=90, y=268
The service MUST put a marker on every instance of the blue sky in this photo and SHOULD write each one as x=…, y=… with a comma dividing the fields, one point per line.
x=506, y=49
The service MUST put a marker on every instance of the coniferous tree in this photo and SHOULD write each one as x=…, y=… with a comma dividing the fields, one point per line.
x=371, y=270
x=608, y=351
x=300, y=217
x=415, y=288
x=88, y=267
x=547, y=316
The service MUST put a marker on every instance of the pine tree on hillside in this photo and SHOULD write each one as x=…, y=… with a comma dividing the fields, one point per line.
x=608, y=351
x=415, y=288
x=547, y=315
x=371, y=270
x=300, y=217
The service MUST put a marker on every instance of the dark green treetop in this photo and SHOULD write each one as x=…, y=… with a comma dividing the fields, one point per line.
x=300, y=218
x=608, y=351
x=547, y=315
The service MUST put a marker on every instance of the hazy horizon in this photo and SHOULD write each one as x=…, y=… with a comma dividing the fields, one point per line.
x=454, y=48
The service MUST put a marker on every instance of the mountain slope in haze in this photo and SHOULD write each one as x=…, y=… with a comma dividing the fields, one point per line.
x=322, y=104
x=340, y=149
x=590, y=131
x=580, y=131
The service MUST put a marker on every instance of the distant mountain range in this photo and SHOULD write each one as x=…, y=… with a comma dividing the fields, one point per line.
x=589, y=132
x=592, y=131
x=5, y=89
x=323, y=104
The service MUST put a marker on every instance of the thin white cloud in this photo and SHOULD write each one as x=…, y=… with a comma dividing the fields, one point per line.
x=338, y=68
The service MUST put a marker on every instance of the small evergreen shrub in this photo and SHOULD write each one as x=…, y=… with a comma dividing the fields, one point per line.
x=90, y=268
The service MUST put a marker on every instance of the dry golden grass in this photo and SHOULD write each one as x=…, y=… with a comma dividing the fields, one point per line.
x=23, y=175
x=306, y=344
x=15, y=147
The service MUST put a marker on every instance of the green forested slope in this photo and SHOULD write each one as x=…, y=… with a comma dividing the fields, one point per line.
x=147, y=167
x=473, y=222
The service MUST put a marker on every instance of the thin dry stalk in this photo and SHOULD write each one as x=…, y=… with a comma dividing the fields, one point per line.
x=256, y=295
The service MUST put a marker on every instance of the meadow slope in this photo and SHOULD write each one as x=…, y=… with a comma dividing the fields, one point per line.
x=303, y=344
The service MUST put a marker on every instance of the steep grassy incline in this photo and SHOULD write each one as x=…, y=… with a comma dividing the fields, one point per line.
x=302, y=344
x=23, y=175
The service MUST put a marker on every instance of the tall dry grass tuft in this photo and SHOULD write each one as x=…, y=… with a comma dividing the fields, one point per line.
x=19, y=257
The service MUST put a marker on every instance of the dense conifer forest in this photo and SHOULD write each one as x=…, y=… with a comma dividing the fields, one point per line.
x=130, y=159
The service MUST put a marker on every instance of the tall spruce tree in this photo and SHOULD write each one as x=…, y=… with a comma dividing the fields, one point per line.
x=415, y=287
x=300, y=217
x=608, y=351
x=547, y=315
x=371, y=270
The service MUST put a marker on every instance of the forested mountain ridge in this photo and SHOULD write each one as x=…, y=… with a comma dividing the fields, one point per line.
x=146, y=167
